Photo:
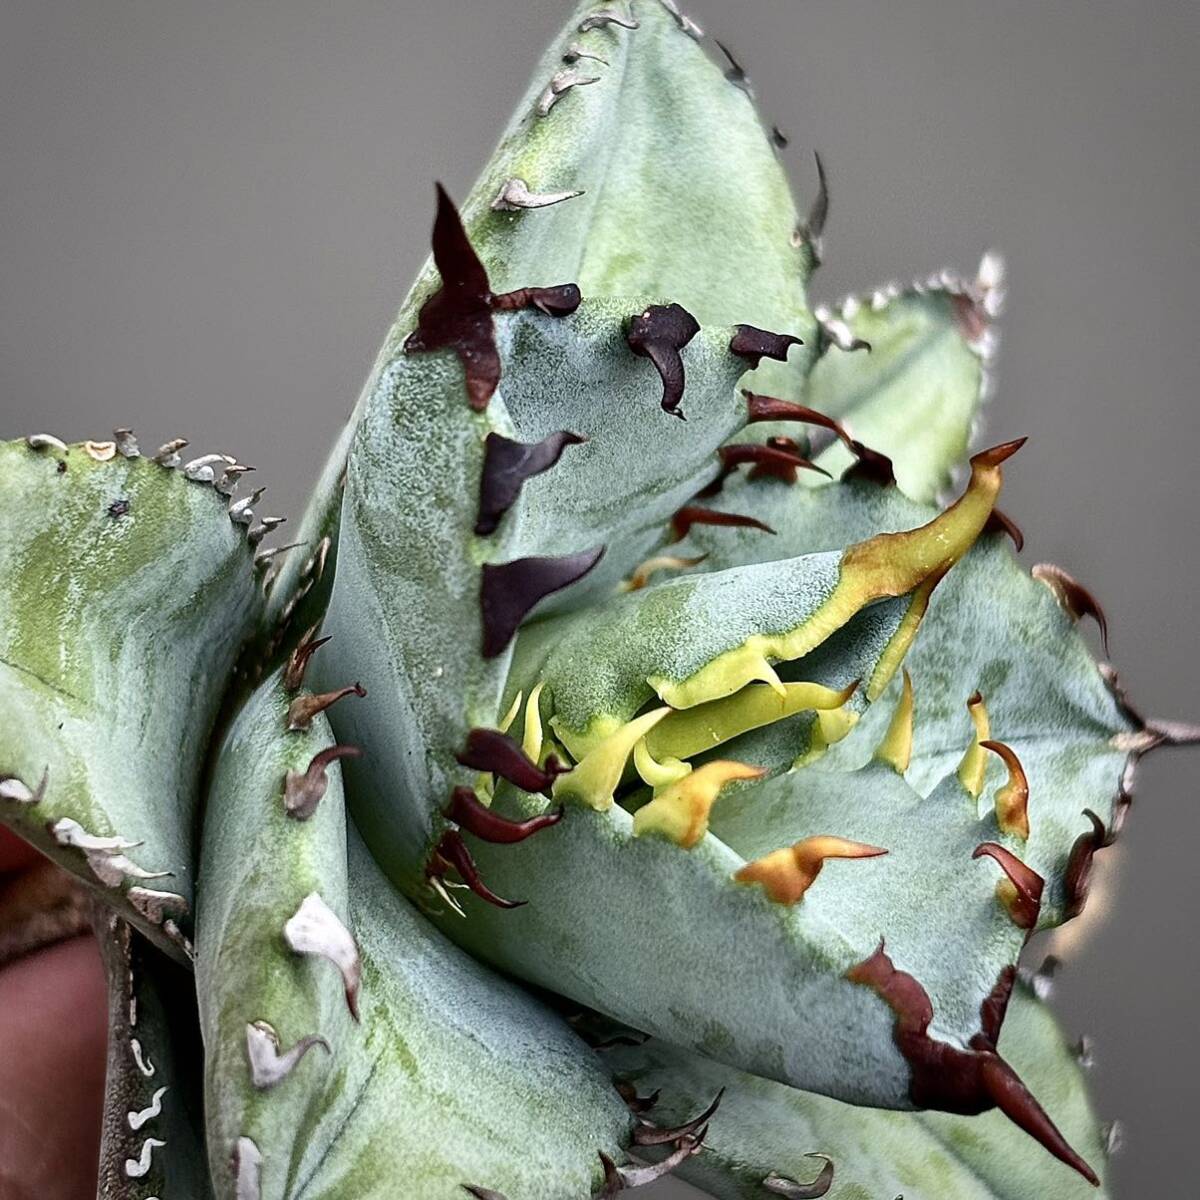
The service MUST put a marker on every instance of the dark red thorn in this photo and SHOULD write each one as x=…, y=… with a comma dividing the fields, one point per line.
x=635, y=1103
x=452, y=852
x=1012, y=1098
x=871, y=464
x=954, y=1080
x=659, y=334
x=763, y=471
x=779, y=462
x=647, y=1134
x=1028, y=883
x=754, y=344
x=458, y=316
x=506, y=466
x=993, y=1010
x=297, y=665
x=466, y=810
x=302, y=710
x=1000, y=522
x=694, y=514
x=1078, y=876
x=493, y=751
x=509, y=591
x=558, y=301
x=1073, y=596
x=302, y=792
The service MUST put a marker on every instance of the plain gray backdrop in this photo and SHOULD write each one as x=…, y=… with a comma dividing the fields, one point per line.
x=209, y=211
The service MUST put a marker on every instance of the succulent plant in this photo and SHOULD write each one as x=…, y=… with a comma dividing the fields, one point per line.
x=683, y=768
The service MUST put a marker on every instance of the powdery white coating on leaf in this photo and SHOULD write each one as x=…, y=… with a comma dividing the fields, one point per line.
x=127, y=596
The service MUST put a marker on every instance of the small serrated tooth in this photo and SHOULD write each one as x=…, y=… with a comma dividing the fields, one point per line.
x=1085, y=1052
x=126, y=443
x=607, y=16
x=879, y=300
x=100, y=451
x=46, y=441
x=228, y=482
x=315, y=929
x=515, y=195
x=167, y=455
x=256, y=533
x=562, y=83
x=822, y=313
x=241, y=512
x=850, y=308
x=270, y=1065
x=264, y=557
x=574, y=52
x=203, y=469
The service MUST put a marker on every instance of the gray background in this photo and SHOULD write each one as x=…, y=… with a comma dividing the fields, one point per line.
x=208, y=212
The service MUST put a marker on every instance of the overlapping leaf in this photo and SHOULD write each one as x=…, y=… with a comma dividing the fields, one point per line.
x=349, y=1064
x=128, y=593
x=820, y=1147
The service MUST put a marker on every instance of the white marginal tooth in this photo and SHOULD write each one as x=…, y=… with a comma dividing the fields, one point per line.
x=247, y=1170
x=45, y=441
x=257, y=532
x=515, y=194
x=822, y=313
x=137, y=1168
x=268, y=1066
x=950, y=281
x=100, y=451
x=315, y=928
x=15, y=790
x=879, y=300
x=934, y=282
x=127, y=444
x=167, y=455
x=105, y=855
x=562, y=83
x=203, y=469
x=607, y=16
x=228, y=482
x=156, y=906
x=141, y=1058
x=138, y=1119
x=1113, y=1135
x=991, y=271
x=850, y=307
x=242, y=511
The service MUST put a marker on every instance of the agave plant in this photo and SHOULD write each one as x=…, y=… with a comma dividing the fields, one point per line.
x=649, y=754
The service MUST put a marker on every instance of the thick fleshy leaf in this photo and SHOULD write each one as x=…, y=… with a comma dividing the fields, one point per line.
x=448, y=1076
x=767, y=1131
x=915, y=395
x=759, y=944
x=990, y=628
x=128, y=593
x=153, y=1132
x=424, y=606
x=563, y=199
x=704, y=636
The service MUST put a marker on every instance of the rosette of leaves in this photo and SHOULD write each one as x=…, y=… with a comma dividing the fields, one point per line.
x=631, y=659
